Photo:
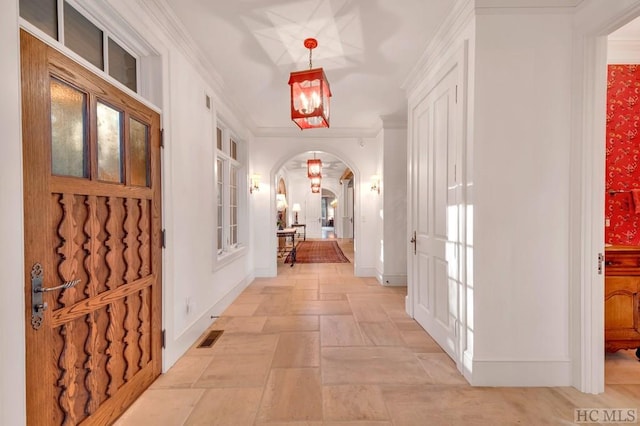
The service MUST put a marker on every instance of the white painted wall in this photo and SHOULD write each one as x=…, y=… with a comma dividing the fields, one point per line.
x=267, y=157
x=521, y=163
x=196, y=276
x=12, y=354
x=394, y=205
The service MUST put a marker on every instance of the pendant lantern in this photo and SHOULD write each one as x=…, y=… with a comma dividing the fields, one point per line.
x=310, y=94
x=314, y=168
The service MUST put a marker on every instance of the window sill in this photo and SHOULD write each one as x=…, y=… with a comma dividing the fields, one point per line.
x=226, y=257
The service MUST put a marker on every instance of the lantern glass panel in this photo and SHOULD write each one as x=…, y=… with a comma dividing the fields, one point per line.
x=314, y=168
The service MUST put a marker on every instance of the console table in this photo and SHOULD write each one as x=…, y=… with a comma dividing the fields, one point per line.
x=286, y=249
x=304, y=229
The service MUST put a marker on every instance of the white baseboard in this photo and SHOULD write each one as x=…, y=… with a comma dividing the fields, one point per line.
x=393, y=280
x=520, y=372
x=265, y=272
x=177, y=347
x=365, y=272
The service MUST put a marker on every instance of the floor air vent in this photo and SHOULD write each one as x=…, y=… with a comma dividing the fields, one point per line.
x=211, y=338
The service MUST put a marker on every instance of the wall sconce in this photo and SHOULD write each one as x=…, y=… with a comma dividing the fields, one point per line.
x=296, y=208
x=254, y=184
x=375, y=184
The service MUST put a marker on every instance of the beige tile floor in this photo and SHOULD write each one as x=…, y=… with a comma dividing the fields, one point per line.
x=318, y=346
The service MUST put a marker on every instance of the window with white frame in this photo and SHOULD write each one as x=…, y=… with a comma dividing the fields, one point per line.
x=228, y=173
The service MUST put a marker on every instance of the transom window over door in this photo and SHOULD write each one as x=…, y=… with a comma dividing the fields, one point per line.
x=60, y=21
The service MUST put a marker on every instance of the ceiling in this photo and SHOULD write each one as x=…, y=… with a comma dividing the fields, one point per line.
x=631, y=31
x=367, y=49
x=332, y=167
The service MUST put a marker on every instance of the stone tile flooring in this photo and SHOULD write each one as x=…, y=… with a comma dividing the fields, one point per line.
x=318, y=346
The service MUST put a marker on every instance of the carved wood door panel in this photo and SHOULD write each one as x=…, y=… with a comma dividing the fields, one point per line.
x=92, y=220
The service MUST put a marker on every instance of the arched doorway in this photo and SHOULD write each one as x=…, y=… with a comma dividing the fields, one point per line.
x=316, y=215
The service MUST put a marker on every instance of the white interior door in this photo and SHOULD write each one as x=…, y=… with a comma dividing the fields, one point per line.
x=313, y=215
x=435, y=262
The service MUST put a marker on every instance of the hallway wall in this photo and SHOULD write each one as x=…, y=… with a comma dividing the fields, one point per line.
x=521, y=165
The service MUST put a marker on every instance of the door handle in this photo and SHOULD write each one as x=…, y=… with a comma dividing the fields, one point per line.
x=38, y=306
x=414, y=241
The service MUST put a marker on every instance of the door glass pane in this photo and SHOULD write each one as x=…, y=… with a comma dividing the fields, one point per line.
x=81, y=36
x=68, y=135
x=139, y=152
x=109, y=144
x=122, y=65
x=41, y=13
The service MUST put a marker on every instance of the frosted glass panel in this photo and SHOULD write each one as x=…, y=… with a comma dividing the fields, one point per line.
x=81, y=36
x=139, y=152
x=122, y=66
x=68, y=141
x=109, y=144
x=41, y=13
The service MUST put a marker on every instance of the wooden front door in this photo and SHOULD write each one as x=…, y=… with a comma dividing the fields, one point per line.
x=92, y=218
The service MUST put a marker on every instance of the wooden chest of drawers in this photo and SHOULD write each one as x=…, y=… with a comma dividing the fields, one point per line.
x=621, y=298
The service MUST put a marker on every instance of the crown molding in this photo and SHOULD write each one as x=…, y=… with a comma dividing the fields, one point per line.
x=394, y=122
x=528, y=4
x=175, y=31
x=330, y=133
x=454, y=24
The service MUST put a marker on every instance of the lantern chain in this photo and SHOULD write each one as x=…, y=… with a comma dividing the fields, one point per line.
x=310, y=66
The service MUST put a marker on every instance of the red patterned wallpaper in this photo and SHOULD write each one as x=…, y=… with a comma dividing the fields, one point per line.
x=623, y=154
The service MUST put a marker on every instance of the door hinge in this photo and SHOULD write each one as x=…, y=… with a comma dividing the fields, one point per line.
x=161, y=138
x=456, y=93
x=600, y=262
x=163, y=238
x=164, y=339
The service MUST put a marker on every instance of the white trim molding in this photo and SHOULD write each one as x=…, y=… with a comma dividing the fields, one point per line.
x=521, y=372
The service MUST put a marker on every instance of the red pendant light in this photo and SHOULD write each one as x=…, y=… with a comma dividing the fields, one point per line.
x=310, y=94
x=314, y=168
x=315, y=184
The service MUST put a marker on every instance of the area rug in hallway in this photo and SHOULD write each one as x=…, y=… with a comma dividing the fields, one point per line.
x=318, y=252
